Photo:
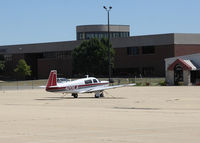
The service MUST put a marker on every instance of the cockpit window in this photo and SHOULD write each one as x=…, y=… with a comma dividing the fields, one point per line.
x=88, y=81
x=95, y=81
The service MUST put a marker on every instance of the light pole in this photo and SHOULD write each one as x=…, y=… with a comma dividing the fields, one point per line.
x=109, y=63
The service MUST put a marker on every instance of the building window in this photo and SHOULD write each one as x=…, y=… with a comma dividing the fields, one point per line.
x=133, y=51
x=81, y=36
x=96, y=35
x=63, y=54
x=127, y=71
x=87, y=36
x=8, y=57
x=124, y=34
x=101, y=36
x=148, y=71
x=148, y=50
x=50, y=55
x=90, y=35
x=115, y=35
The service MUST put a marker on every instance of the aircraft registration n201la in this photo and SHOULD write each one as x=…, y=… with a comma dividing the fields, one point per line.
x=83, y=85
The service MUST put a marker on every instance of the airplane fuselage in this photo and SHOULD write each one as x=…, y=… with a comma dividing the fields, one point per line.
x=83, y=85
x=77, y=86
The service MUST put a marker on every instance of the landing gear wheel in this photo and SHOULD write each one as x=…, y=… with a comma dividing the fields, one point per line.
x=102, y=95
x=75, y=95
x=97, y=95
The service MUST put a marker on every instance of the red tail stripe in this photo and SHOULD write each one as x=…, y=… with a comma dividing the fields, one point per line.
x=52, y=79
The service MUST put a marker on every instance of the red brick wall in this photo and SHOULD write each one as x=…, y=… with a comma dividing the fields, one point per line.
x=63, y=67
x=181, y=50
x=123, y=60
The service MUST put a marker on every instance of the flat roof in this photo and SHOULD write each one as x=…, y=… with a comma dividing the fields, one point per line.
x=144, y=40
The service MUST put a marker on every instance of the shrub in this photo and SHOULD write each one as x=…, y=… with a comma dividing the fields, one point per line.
x=163, y=83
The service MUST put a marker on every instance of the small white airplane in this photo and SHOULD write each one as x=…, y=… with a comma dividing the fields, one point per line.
x=84, y=85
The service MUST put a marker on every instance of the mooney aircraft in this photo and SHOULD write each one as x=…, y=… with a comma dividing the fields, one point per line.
x=84, y=85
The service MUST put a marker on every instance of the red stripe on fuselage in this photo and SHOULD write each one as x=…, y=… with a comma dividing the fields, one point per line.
x=91, y=84
x=54, y=89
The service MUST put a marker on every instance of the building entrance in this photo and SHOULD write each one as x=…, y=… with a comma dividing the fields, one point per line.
x=178, y=74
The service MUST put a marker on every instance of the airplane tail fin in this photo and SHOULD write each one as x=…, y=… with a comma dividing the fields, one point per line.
x=52, y=81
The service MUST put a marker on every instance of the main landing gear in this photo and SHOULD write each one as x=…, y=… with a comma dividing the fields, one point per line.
x=75, y=95
x=99, y=94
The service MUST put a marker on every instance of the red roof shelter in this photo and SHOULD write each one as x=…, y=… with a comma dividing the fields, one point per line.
x=181, y=62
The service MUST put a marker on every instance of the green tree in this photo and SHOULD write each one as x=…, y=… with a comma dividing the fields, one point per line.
x=22, y=69
x=2, y=65
x=91, y=57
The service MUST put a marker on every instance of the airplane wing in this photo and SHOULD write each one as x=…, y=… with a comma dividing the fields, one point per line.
x=96, y=89
x=43, y=86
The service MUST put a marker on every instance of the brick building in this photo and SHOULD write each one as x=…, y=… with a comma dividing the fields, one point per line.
x=134, y=56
